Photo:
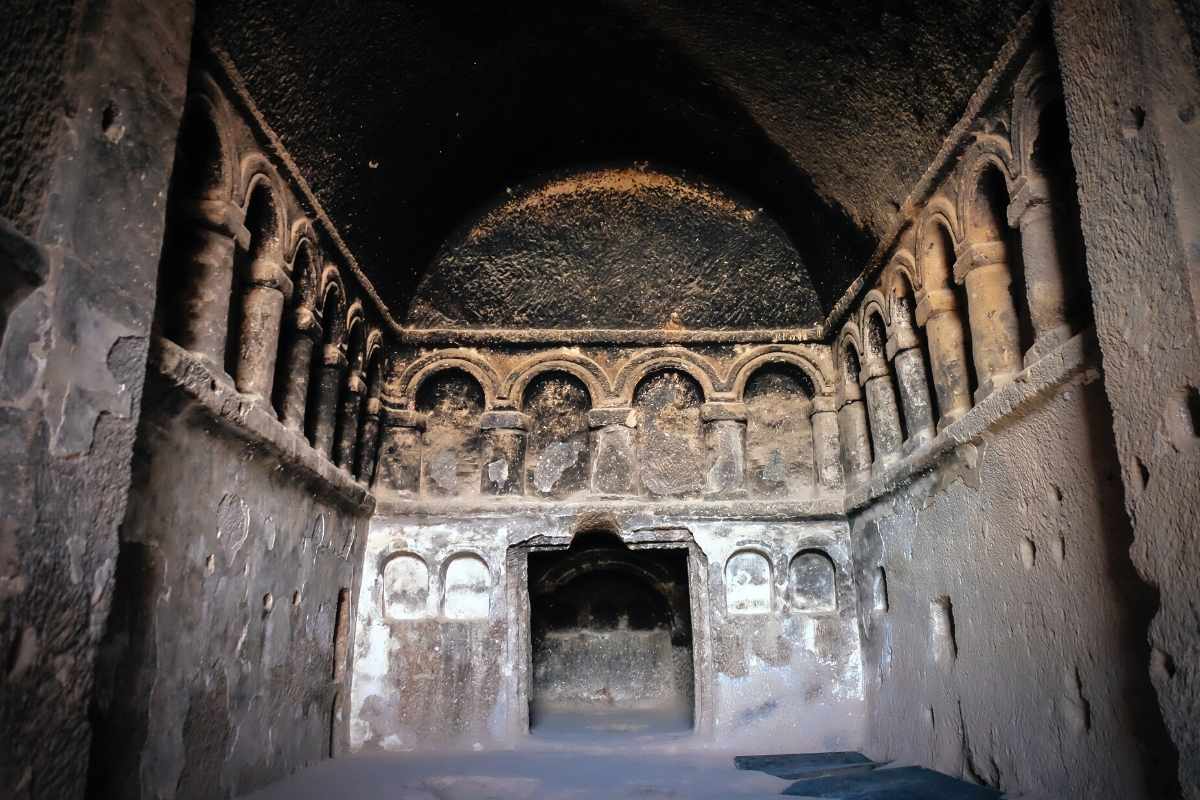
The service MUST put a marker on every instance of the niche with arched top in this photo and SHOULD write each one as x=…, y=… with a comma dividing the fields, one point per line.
x=253, y=333
x=812, y=579
x=670, y=438
x=405, y=587
x=779, y=444
x=748, y=585
x=556, y=450
x=451, y=401
x=466, y=588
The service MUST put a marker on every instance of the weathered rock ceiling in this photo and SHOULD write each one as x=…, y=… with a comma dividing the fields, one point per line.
x=409, y=119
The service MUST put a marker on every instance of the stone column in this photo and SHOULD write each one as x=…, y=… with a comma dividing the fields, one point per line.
x=995, y=337
x=398, y=469
x=1045, y=278
x=904, y=351
x=725, y=449
x=887, y=435
x=329, y=384
x=614, y=451
x=265, y=287
x=938, y=313
x=200, y=318
x=854, y=436
x=368, y=445
x=504, y=433
x=827, y=467
x=349, y=406
x=303, y=334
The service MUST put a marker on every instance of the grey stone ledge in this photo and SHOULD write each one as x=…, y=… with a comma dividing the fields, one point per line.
x=188, y=376
x=1076, y=355
x=636, y=508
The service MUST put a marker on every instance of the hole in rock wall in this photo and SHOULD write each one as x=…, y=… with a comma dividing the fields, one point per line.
x=611, y=638
x=406, y=587
x=879, y=590
x=467, y=588
x=812, y=580
x=942, y=640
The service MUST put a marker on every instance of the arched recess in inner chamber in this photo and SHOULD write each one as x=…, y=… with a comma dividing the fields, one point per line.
x=452, y=401
x=779, y=445
x=670, y=438
x=557, y=455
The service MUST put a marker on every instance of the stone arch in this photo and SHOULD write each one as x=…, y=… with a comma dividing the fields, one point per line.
x=332, y=293
x=779, y=448
x=901, y=268
x=812, y=581
x=1035, y=88
x=558, y=444
x=580, y=366
x=749, y=583
x=937, y=241
x=669, y=433
x=900, y=290
x=466, y=587
x=638, y=368
x=875, y=304
x=979, y=221
x=451, y=399
x=849, y=353
x=206, y=156
x=305, y=266
x=875, y=327
x=745, y=367
x=356, y=335
x=404, y=586
x=468, y=361
x=262, y=194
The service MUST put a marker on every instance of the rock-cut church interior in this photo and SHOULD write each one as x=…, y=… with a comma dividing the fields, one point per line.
x=616, y=399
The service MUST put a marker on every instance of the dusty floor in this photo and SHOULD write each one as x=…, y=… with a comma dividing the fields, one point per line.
x=534, y=772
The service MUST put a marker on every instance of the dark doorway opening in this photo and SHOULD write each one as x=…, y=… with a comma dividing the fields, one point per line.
x=611, y=637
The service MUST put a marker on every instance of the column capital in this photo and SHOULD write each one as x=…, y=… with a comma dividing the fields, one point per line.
x=402, y=418
x=717, y=411
x=504, y=419
x=1029, y=193
x=220, y=216
x=304, y=322
x=933, y=302
x=268, y=273
x=971, y=256
x=355, y=383
x=873, y=366
x=604, y=417
x=901, y=339
x=824, y=404
x=332, y=356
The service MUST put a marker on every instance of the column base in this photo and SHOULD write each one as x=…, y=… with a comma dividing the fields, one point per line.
x=1046, y=342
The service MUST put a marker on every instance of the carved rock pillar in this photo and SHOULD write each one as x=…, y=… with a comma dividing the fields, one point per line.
x=887, y=435
x=904, y=351
x=303, y=334
x=854, y=436
x=328, y=388
x=995, y=336
x=725, y=448
x=368, y=446
x=614, y=451
x=938, y=313
x=399, y=465
x=1045, y=278
x=504, y=435
x=826, y=460
x=199, y=322
x=349, y=407
x=265, y=288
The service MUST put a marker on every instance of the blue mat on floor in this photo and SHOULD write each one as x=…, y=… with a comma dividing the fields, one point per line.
x=806, y=765
x=903, y=783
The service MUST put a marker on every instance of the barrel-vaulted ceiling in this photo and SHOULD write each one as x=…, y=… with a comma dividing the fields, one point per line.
x=413, y=122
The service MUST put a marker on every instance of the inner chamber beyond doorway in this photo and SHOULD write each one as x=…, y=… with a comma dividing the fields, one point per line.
x=612, y=644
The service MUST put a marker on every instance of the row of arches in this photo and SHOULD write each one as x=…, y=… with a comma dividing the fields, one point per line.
x=465, y=585
x=986, y=280
x=777, y=437
x=247, y=289
x=750, y=585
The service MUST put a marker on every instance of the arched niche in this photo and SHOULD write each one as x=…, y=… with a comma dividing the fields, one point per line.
x=331, y=311
x=779, y=443
x=557, y=453
x=466, y=588
x=405, y=587
x=264, y=221
x=812, y=579
x=451, y=401
x=748, y=584
x=670, y=437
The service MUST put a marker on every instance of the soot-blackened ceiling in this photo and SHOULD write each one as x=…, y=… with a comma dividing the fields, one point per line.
x=409, y=119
